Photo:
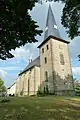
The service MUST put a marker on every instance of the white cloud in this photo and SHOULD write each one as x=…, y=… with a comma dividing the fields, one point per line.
x=25, y=52
x=3, y=74
x=76, y=71
x=10, y=68
x=21, y=53
x=75, y=47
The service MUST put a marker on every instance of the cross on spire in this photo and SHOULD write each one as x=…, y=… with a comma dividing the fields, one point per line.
x=51, y=26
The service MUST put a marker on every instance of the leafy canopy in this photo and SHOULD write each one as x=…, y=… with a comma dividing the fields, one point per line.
x=71, y=17
x=16, y=25
x=2, y=86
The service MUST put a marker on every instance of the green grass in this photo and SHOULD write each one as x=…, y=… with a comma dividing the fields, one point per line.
x=41, y=108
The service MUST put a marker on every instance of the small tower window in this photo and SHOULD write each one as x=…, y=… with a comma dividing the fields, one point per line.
x=47, y=47
x=45, y=60
x=42, y=50
x=61, y=59
x=46, y=76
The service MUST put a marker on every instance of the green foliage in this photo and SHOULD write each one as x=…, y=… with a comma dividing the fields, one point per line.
x=5, y=100
x=16, y=25
x=71, y=17
x=76, y=83
x=21, y=93
x=77, y=91
x=77, y=87
x=2, y=86
x=40, y=93
x=45, y=92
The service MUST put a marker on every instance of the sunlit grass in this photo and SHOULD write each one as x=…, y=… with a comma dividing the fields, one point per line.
x=41, y=108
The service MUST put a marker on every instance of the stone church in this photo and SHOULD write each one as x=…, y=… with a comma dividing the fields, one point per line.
x=52, y=69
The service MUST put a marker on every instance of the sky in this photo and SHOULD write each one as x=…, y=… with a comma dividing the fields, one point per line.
x=10, y=68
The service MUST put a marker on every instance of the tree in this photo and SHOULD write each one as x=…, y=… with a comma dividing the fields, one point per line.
x=2, y=86
x=16, y=25
x=71, y=17
x=77, y=87
x=76, y=83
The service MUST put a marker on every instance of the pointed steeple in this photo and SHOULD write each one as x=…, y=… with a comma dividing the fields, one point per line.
x=51, y=26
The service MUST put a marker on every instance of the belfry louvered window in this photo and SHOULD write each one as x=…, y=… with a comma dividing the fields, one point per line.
x=62, y=59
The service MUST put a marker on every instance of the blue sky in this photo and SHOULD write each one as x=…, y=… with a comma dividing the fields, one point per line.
x=10, y=68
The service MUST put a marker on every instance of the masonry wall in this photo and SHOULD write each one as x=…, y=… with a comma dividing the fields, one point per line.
x=31, y=78
x=46, y=67
x=12, y=90
x=59, y=76
x=28, y=82
x=37, y=79
x=18, y=85
x=62, y=72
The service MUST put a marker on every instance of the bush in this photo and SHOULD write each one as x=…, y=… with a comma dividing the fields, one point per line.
x=21, y=93
x=44, y=93
x=77, y=91
x=4, y=100
x=40, y=93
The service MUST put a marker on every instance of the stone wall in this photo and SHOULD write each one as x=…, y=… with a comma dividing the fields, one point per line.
x=59, y=70
x=28, y=82
x=63, y=72
x=12, y=90
x=46, y=67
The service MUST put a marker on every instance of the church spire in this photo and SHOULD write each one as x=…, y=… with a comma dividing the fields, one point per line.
x=51, y=26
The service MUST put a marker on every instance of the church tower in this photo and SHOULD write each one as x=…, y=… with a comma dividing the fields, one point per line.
x=55, y=66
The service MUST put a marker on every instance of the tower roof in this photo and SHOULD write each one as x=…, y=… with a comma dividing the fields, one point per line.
x=51, y=30
x=51, y=26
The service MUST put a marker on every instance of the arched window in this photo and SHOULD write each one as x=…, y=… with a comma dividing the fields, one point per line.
x=61, y=59
x=47, y=47
x=46, y=76
x=42, y=50
x=45, y=60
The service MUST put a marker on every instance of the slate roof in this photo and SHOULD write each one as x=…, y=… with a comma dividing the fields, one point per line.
x=51, y=26
x=51, y=30
x=35, y=62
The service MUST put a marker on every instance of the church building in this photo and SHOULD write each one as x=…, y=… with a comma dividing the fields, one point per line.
x=50, y=72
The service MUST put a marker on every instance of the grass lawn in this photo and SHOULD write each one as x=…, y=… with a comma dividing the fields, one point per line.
x=41, y=108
